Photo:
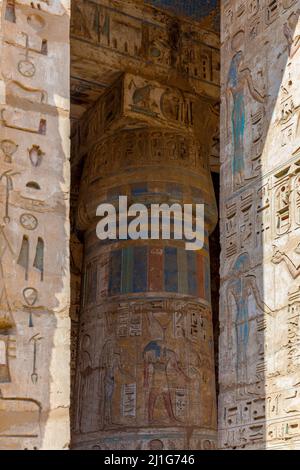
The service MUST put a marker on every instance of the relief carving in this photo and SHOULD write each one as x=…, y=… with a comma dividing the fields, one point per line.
x=6, y=318
x=7, y=176
x=7, y=352
x=27, y=122
x=239, y=79
x=9, y=148
x=258, y=410
x=12, y=417
x=34, y=340
x=243, y=301
x=293, y=41
x=280, y=257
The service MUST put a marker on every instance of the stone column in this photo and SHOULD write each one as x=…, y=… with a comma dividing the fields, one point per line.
x=145, y=371
x=259, y=400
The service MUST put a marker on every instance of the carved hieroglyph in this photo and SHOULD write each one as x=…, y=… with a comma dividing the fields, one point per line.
x=259, y=403
x=34, y=227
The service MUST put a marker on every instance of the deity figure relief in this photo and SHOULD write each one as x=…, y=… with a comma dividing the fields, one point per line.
x=240, y=291
x=6, y=319
x=85, y=371
x=159, y=359
x=280, y=257
x=239, y=79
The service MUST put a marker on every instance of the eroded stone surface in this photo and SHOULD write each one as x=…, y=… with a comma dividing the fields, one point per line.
x=145, y=90
x=34, y=225
x=259, y=344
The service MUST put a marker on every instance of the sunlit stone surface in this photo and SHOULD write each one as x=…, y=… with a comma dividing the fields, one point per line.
x=127, y=332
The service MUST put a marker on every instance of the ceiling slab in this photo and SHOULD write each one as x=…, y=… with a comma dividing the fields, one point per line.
x=111, y=37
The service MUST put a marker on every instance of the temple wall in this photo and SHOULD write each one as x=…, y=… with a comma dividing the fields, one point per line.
x=259, y=403
x=34, y=224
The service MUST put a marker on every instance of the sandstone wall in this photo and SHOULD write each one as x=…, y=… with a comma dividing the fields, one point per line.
x=34, y=224
x=259, y=405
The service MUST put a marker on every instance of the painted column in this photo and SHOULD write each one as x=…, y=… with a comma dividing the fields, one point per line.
x=259, y=404
x=145, y=370
x=34, y=227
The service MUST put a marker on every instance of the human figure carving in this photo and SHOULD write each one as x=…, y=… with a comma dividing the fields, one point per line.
x=239, y=78
x=141, y=98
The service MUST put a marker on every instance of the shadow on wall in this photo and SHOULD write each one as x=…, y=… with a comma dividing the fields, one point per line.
x=34, y=229
x=258, y=170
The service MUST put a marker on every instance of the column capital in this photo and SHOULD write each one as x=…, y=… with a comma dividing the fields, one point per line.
x=134, y=102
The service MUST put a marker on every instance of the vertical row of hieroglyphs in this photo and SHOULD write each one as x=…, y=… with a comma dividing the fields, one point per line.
x=260, y=225
x=34, y=228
